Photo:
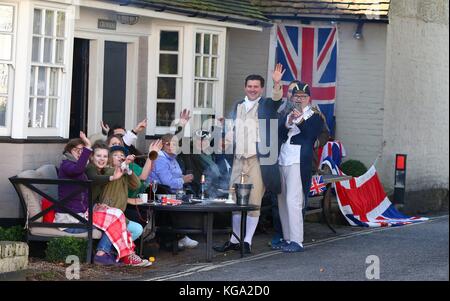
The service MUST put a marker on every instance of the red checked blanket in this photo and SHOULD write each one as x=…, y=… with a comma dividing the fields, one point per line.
x=112, y=221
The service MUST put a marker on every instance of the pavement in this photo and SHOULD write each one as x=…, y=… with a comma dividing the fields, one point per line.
x=412, y=252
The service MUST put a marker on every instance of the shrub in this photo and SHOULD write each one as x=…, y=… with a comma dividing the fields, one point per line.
x=59, y=248
x=353, y=168
x=15, y=233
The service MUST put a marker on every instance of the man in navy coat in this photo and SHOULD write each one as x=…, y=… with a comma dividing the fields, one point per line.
x=254, y=136
x=300, y=125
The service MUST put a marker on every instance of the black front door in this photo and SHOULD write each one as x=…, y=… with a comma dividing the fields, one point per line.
x=80, y=80
x=114, y=83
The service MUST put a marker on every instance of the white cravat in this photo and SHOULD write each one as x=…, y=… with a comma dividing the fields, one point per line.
x=249, y=104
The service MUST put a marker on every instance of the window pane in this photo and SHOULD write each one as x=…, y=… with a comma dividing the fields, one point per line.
x=3, y=111
x=215, y=44
x=6, y=18
x=201, y=95
x=5, y=48
x=36, y=49
x=3, y=79
x=48, y=50
x=42, y=81
x=168, y=64
x=206, y=44
x=40, y=113
x=169, y=40
x=60, y=24
x=49, y=21
x=209, y=95
x=165, y=114
x=205, y=67
x=205, y=120
x=37, y=21
x=214, y=67
x=52, y=107
x=59, y=59
x=53, y=82
x=198, y=61
x=198, y=43
x=33, y=81
x=166, y=88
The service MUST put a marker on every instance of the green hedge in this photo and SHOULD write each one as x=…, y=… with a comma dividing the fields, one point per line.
x=59, y=248
x=353, y=168
x=15, y=233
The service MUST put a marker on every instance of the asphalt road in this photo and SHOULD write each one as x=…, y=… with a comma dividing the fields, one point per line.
x=412, y=252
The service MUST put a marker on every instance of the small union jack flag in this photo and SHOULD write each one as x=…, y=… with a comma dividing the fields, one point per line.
x=317, y=186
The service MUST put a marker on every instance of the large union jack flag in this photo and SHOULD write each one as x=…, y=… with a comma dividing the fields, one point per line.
x=363, y=201
x=309, y=53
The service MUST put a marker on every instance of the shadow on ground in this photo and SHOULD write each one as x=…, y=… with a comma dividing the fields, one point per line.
x=165, y=261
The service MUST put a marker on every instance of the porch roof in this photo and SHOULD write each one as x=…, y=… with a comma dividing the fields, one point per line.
x=240, y=11
x=332, y=9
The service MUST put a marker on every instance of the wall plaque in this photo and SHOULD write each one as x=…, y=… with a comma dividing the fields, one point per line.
x=107, y=24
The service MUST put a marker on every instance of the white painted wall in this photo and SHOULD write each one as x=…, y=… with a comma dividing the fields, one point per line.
x=360, y=91
x=417, y=93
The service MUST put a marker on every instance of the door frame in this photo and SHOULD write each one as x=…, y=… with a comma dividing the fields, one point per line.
x=96, y=68
x=83, y=108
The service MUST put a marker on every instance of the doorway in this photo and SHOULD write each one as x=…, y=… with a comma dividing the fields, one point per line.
x=80, y=88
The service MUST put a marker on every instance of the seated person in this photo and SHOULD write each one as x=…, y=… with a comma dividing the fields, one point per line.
x=202, y=162
x=111, y=183
x=166, y=169
x=73, y=166
x=167, y=172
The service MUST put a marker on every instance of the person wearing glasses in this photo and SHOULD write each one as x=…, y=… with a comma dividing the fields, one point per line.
x=300, y=124
x=73, y=166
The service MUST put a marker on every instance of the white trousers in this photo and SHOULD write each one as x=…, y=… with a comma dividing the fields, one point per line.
x=290, y=203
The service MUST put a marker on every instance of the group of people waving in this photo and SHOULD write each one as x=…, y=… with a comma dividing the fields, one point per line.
x=117, y=180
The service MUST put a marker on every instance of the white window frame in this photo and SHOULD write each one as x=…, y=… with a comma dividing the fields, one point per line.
x=186, y=70
x=64, y=77
x=6, y=129
x=154, y=74
x=219, y=79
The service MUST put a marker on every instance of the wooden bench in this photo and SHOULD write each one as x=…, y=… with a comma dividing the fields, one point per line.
x=34, y=185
